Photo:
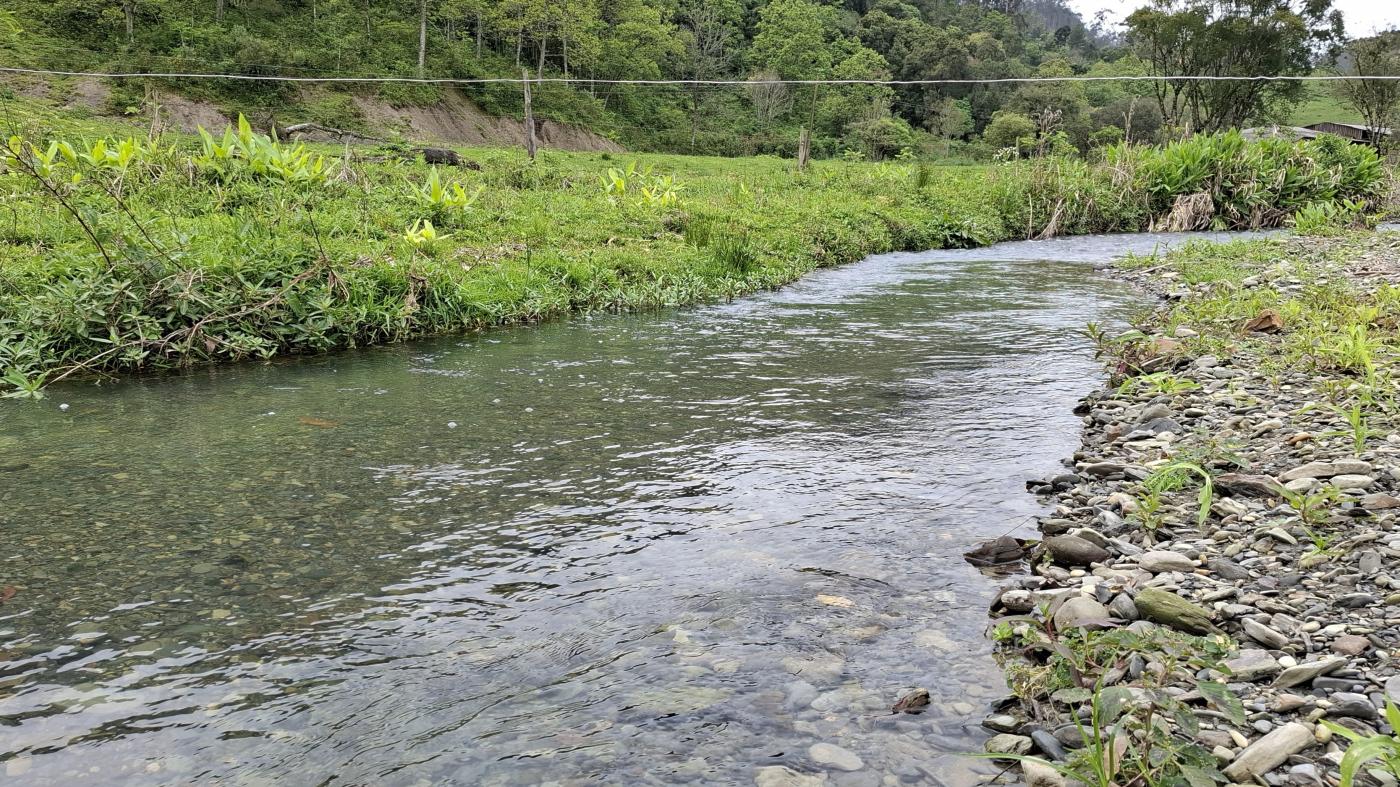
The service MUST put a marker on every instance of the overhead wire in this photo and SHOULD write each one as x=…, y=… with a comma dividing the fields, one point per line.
x=689, y=82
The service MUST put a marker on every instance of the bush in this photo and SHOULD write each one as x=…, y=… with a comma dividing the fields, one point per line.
x=1007, y=129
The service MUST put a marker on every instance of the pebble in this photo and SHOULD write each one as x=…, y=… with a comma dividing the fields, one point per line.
x=1307, y=671
x=1351, y=645
x=1264, y=635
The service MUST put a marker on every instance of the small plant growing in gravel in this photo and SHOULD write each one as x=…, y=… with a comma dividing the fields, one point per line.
x=1158, y=382
x=1369, y=748
x=1176, y=475
x=1312, y=509
x=1358, y=425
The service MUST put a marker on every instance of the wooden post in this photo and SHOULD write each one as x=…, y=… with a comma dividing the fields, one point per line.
x=529, y=118
x=804, y=148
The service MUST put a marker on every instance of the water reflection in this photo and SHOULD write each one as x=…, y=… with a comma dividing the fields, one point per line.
x=657, y=549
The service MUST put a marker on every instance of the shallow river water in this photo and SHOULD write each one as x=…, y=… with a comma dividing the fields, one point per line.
x=653, y=549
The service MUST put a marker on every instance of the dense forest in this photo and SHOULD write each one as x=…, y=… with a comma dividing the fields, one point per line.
x=750, y=40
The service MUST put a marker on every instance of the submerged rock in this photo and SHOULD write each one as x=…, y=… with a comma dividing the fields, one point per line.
x=782, y=776
x=915, y=701
x=834, y=756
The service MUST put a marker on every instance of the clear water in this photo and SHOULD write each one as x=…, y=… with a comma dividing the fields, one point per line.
x=655, y=549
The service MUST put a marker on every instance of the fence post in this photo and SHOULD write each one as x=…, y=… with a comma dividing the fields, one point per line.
x=804, y=148
x=529, y=117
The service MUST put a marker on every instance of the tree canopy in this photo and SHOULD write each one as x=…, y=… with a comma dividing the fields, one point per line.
x=757, y=40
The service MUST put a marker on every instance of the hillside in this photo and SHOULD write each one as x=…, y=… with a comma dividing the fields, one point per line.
x=595, y=40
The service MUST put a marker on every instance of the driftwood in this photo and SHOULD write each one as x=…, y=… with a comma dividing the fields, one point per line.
x=302, y=128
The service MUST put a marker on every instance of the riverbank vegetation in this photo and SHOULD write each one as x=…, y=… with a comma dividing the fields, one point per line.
x=1231, y=510
x=125, y=253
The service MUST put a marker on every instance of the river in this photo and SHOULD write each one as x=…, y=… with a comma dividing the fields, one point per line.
x=664, y=548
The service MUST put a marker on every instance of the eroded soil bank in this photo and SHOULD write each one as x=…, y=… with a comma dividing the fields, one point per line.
x=1217, y=585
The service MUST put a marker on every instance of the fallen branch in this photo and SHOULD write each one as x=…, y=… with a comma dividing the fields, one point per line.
x=298, y=128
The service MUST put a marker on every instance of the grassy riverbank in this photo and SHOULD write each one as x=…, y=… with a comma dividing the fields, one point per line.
x=130, y=254
x=1215, y=598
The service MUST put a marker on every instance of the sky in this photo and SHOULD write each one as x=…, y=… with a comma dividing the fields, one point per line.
x=1362, y=16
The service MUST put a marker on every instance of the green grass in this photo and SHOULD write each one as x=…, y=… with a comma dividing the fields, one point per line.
x=148, y=254
x=1320, y=103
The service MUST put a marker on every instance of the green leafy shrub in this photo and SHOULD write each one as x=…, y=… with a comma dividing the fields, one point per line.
x=246, y=153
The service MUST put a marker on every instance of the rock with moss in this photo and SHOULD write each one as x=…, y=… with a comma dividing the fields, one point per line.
x=1169, y=609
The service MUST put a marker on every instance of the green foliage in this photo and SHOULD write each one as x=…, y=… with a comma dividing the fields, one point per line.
x=1250, y=184
x=652, y=190
x=631, y=39
x=444, y=202
x=1312, y=508
x=1010, y=130
x=1126, y=738
x=125, y=254
x=732, y=252
x=1370, y=748
x=1358, y=426
x=424, y=237
x=1177, y=475
x=248, y=154
x=1158, y=382
x=1329, y=218
x=1187, y=38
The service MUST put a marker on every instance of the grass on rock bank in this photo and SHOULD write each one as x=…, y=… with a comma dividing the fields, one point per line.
x=124, y=254
x=1270, y=355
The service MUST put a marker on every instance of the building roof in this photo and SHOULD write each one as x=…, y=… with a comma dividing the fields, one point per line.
x=1357, y=126
x=1284, y=132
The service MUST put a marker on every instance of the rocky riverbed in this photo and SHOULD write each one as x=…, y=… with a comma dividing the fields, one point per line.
x=1219, y=581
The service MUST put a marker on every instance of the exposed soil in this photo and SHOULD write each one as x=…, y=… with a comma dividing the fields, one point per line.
x=90, y=94
x=457, y=120
x=188, y=115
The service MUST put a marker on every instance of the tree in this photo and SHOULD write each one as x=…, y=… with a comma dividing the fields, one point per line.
x=709, y=29
x=1229, y=38
x=1376, y=100
x=1009, y=130
x=845, y=105
x=422, y=35
x=797, y=39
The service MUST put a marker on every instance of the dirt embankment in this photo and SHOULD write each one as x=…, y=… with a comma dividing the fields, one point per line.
x=456, y=120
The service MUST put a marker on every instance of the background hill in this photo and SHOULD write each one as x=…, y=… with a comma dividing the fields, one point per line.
x=608, y=40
